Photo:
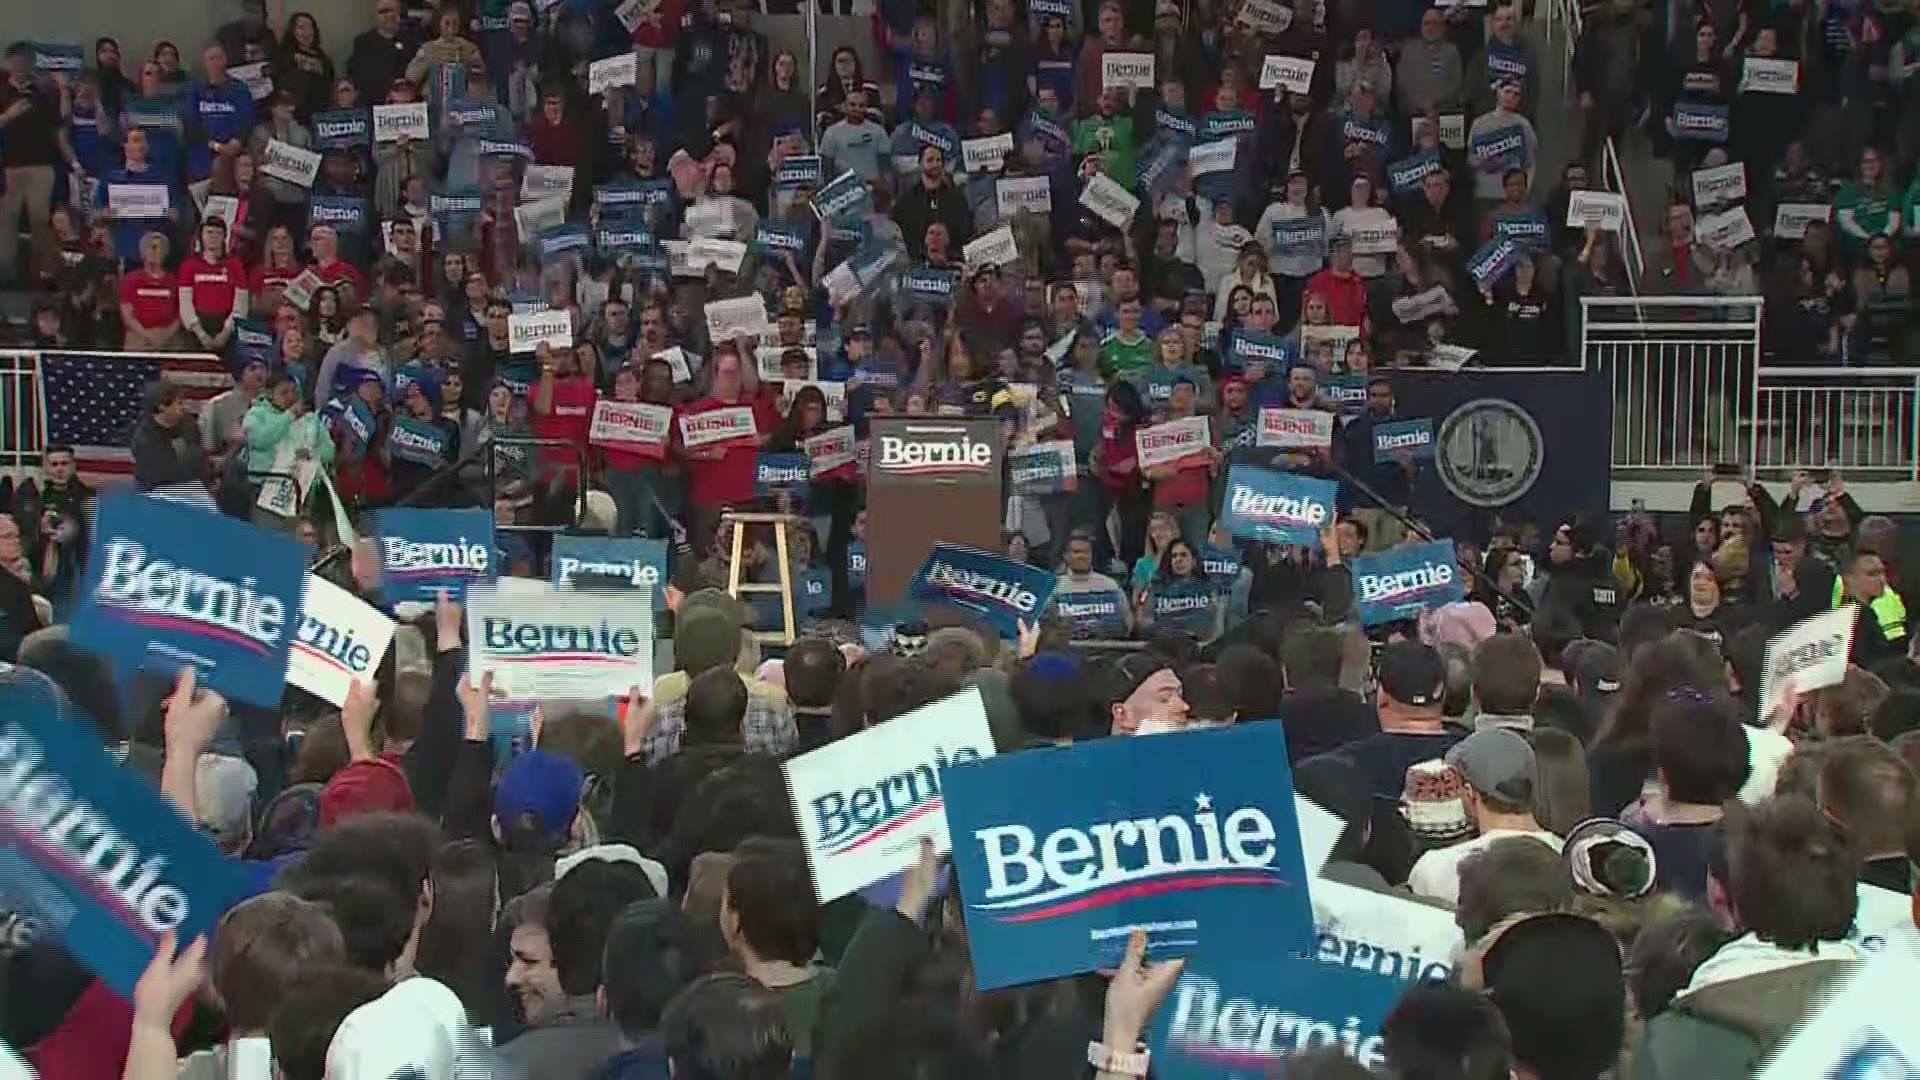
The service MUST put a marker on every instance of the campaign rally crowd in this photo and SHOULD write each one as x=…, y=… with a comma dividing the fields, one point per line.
x=1606, y=796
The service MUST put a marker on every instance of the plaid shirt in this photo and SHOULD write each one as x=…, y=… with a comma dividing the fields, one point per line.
x=767, y=727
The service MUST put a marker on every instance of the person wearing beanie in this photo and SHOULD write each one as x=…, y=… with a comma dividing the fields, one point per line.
x=1143, y=696
x=538, y=797
x=1559, y=982
x=1498, y=774
x=422, y=440
x=707, y=636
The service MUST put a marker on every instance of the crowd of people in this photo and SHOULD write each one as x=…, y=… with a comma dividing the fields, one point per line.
x=1008, y=220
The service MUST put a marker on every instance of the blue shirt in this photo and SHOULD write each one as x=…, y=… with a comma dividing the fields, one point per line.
x=215, y=114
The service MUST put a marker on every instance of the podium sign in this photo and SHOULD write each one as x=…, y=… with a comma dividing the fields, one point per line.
x=929, y=479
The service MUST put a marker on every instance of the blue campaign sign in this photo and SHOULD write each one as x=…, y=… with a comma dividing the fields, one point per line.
x=1505, y=62
x=1061, y=852
x=342, y=129
x=1041, y=469
x=617, y=239
x=1253, y=347
x=1222, y=566
x=815, y=592
x=1371, y=130
x=799, y=170
x=775, y=240
x=857, y=568
x=1004, y=591
x=169, y=584
x=344, y=213
x=1498, y=150
x=1403, y=582
x=1300, y=236
x=253, y=343
x=561, y=239
x=1492, y=261
x=1526, y=228
x=1275, y=507
x=1094, y=614
x=634, y=559
x=1412, y=437
x=781, y=472
x=1237, y=1015
x=417, y=442
x=1349, y=391
x=50, y=57
x=1186, y=605
x=1699, y=122
x=931, y=284
x=1405, y=175
x=844, y=199
x=510, y=728
x=424, y=551
x=91, y=850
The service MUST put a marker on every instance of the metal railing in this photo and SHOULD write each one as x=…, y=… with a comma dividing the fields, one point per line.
x=1691, y=389
x=22, y=418
x=1565, y=16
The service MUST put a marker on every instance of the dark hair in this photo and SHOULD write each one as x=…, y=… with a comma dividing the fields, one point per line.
x=1559, y=983
x=1896, y=715
x=262, y=948
x=1438, y=1032
x=305, y=1021
x=1869, y=791
x=1054, y=705
x=456, y=942
x=1699, y=747
x=375, y=918
x=770, y=891
x=1511, y=876
x=1677, y=659
x=1251, y=681
x=1664, y=955
x=715, y=709
x=746, y=798
x=813, y=670
x=1506, y=674
x=1311, y=656
x=583, y=905
x=1791, y=873
x=727, y=1027
x=651, y=955
x=1641, y=624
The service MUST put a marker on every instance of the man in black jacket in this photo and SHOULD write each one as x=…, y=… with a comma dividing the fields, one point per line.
x=382, y=54
x=166, y=442
x=1580, y=582
x=932, y=198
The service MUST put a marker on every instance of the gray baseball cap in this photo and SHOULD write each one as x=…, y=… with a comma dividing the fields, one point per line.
x=223, y=790
x=1496, y=762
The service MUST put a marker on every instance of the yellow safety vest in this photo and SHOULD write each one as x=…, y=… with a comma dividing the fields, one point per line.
x=1889, y=611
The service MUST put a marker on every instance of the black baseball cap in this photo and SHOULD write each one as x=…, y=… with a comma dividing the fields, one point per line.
x=1596, y=667
x=1413, y=674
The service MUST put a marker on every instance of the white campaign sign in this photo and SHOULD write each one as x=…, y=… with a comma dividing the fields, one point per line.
x=744, y=316
x=1725, y=230
x=1606, y=209
x=1212, y=157
x=1790, y=220
x=994, y=249
x=1016, y=193
x=1109, y=201
x=560, y=643
x=1770, y=75
x=295, y=165
x=988, y=154
x=1453, y=130
x=1720, y=184
x=1811, y=653
x=631, y=425
x=676, y=358
x=525, y=330
x=408, y=120
x=1862, y=1029
x=138, y=202
x=1172, y=441
x=224, y=207
x=537, y=216
x=256, y=78
x=547, y=182
x=830, y=449
x=1360, y=928
x=1265, y=16
x=705, y=251
x=1295, y=429
x=341, y=638
x=299, y=291
x=1125, y=70
x=1379, y=234
x=1292, y=73
x=621, y=70
x=717, y=426
x=864, y=803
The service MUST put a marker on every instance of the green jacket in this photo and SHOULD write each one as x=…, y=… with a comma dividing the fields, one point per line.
x=268, y=429
x=1725, y=1031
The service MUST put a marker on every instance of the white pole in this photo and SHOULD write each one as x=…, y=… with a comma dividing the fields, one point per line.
x=813, y=72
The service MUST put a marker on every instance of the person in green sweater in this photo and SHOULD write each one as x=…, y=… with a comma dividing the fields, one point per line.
x=1109, y=134
x=1865, y=206
x=277, y=422
x=1128, y=349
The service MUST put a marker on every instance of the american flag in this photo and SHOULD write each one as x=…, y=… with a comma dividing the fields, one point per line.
x=94, y=400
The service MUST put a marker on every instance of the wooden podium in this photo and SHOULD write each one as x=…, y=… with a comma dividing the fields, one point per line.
x=929, y=479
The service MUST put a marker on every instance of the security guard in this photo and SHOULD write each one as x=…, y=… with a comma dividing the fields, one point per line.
x=1881, y=632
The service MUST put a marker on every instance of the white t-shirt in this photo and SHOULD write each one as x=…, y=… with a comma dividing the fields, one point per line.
x=1437, y=873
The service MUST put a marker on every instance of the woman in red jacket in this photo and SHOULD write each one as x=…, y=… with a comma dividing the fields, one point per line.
x=213, y=288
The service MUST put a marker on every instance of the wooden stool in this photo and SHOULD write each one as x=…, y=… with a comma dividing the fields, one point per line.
x=784, y=586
